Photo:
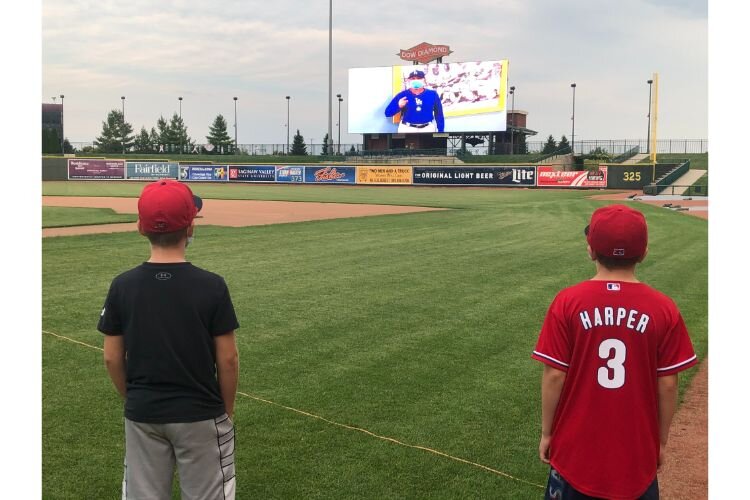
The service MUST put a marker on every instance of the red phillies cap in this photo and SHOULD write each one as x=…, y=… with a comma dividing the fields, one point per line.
x=167, y=205
x=617, y=231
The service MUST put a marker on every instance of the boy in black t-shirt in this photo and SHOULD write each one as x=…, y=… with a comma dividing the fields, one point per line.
x=170, y=350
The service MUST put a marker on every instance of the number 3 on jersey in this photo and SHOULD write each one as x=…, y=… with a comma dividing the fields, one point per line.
x=613, y=375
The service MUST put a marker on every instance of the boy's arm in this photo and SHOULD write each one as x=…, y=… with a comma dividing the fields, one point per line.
x=114, y=360
x=227, y=369
x=667, y=407
x=552, y=384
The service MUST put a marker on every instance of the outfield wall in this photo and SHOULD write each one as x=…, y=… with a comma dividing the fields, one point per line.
x=515, y=175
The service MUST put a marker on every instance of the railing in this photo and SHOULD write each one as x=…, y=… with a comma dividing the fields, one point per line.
x=627, y=155
x=612, y=147
x=676, y=189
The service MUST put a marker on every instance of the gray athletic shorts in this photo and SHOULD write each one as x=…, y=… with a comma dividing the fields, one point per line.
x=203, y=452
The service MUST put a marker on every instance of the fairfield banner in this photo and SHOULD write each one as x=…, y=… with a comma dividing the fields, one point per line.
x=150, y=170
x=384, y=175
x=96, y=169
x=547, y=176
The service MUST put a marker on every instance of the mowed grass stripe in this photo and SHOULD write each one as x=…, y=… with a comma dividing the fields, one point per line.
x=417, y=326
x=70, y=216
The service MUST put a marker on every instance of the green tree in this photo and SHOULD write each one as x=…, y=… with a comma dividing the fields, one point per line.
x=326, y=146
x=218, y=136
x=153, y=138
x=299, y=148
x=178, y=133
x=165, y=135
x=115, y=136
x=563, y=146
x=550, y=146
x=142, y=142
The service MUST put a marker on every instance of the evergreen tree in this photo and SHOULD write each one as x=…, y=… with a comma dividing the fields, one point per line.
x=115, y=136
x=299, y=148
x=68, y=147
x=178, y=133
x=326, y=146
x=550, y=146
x=563, y=146
x=142, y=142
x=153, y=138
x=218, y=136
x=163, y=131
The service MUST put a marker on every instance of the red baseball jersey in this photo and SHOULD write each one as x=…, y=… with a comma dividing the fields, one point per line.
x=613, y=339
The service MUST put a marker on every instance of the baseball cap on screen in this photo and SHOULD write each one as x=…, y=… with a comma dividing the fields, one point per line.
x=618, y=232
x=167, y=205
x=416, y=74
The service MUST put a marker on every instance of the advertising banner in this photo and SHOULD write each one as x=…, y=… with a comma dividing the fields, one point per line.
x=150, y=170
x=290, y=173
x=384, y=175
x=252, y=173
x=429, y=98
x=547, y=176
x=96, y=169
x=330, y=175
x=203, y=172
x=476, y=176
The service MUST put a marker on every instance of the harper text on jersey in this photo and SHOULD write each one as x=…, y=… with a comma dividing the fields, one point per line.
x=612, y=316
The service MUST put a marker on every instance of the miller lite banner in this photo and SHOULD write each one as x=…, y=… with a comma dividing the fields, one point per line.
x=476, y=176
x=424, y=52
x=547, y=176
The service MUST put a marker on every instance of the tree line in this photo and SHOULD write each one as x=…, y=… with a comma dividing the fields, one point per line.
x=172, y=137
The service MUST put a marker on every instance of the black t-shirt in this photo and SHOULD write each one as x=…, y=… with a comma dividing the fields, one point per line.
x=169, y=315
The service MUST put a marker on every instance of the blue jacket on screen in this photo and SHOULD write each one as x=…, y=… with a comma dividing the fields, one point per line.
x=428, y=103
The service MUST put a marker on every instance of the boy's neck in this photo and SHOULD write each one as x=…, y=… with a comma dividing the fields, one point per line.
x=623, y=274
x=167, y=255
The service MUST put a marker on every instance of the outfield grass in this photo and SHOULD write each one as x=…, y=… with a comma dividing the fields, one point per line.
x=417, y=327
x=67, y=216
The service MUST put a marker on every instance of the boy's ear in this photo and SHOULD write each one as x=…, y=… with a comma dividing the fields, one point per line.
x=190, y=229
x=643, y=256
x=591, y=252
x=140, y=228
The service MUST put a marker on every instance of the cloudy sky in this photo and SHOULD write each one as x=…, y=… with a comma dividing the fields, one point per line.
x=94, y=51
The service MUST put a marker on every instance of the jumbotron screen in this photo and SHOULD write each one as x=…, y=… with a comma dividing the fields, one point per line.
x=428, y=98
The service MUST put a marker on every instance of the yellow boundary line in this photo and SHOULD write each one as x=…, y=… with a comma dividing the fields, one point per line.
x=348, y=427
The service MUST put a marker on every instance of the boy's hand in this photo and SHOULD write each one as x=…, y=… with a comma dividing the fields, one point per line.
x=661, y=457
x=544, y=449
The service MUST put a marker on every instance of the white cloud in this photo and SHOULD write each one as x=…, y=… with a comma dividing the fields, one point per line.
x=152, y=52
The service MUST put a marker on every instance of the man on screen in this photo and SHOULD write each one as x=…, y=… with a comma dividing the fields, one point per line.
x=421, y=109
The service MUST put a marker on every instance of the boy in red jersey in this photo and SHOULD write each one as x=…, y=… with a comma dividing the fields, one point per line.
x=612, y=348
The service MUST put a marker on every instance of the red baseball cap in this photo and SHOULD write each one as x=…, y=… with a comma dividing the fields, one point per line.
x=617, y=231
x=167, y=205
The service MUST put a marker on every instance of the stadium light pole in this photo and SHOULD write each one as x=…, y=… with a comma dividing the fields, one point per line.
x=287, y=123
x=123, y=124
x=235, y=125
x=648, y=134
x=181, y=146
x=330, y=72
x=512, y=115
x=62, y=123
x=573, y=134
x=338, y=149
